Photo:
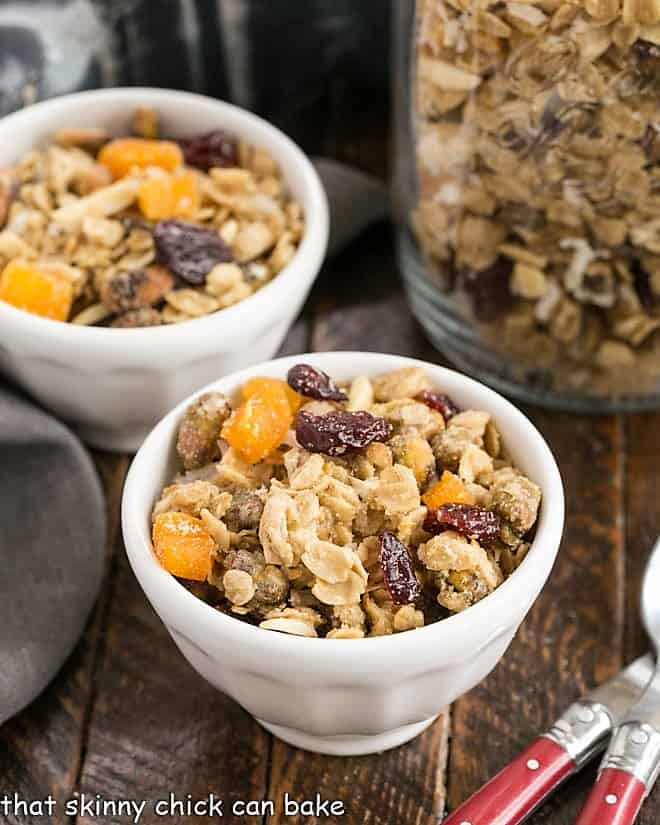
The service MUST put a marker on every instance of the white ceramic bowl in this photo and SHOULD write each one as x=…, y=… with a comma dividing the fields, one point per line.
x=348, y=696
x=114, y=385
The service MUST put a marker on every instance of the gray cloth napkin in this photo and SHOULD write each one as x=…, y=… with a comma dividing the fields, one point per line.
x=52, y=513
x=52, y=547
x=356, y=201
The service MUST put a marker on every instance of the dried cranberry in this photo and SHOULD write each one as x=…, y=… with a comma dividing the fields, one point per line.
x=489, y=290
x=398, y=572
x=440, y=402
x=189, y=250
x=336, y=432
x=210, y=150
x=474, y=522
x=314, y=383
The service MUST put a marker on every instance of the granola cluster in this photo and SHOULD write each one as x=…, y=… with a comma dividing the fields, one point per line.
x=142, y=230
x=537, y=143
x=392, y=516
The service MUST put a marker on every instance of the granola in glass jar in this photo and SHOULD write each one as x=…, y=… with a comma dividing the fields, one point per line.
x=342, y=511
x=538, y=214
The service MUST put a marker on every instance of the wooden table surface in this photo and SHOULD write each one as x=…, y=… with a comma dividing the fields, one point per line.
x=128, y=718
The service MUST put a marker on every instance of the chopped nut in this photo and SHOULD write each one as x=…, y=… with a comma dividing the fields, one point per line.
x=474, y=464
x=143, y=317
x=566, y=324
x=361, y=394
x=253, y=240
x=516, y=499
x=100, y=204
x=192, y=303
x=197, y=439
x=91, y=315
x=414, y=452
x=239, y=587
x=146, y=122
x=613, y=355
x=404, y=383
x=89, y=139
x=452, y=552
x=528, y=281
x=134, y=290
x=408, y=618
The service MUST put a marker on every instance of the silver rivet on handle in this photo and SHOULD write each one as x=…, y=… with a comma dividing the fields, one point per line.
x=585, y=715
x=611, y=799
x=639, y=737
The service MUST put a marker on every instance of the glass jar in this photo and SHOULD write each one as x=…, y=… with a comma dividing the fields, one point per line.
x=528, y=191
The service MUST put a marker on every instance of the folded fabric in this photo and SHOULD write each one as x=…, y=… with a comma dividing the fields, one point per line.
x=356, y=201
x=52, y=510
x=52, y=547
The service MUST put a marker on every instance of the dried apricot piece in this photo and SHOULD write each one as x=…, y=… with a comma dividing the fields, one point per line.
x=182, y=545
x=169, y=196
x=123, y=154
x=255, y=386
x=34, y=289
x=258, y=426
x=448, y=490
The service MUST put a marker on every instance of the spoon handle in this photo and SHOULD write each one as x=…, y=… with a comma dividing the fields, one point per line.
x=518, y=789
x=615, y=799
x=627, y=773
x=511, y=796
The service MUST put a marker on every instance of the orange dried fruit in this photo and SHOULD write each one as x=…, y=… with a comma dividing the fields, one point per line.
x=255, y=386
x=448, y=490
x=182, y=545
x=123, y=154
x=169, y=196
x=260, y=423
x=35, y=289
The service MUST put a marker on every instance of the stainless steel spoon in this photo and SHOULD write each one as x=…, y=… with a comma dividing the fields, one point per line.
x=631, y=763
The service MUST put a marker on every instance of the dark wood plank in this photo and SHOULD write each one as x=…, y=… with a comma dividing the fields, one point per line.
x=572, y=638
x=358, y=304
x=404, y=785
x=41, y=749
x=642, y=515
x=642, y=529
x=157, y=727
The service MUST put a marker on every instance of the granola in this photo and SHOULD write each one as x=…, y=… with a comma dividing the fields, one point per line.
x=387, y=534
x=142, y=230
x=537, y=145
